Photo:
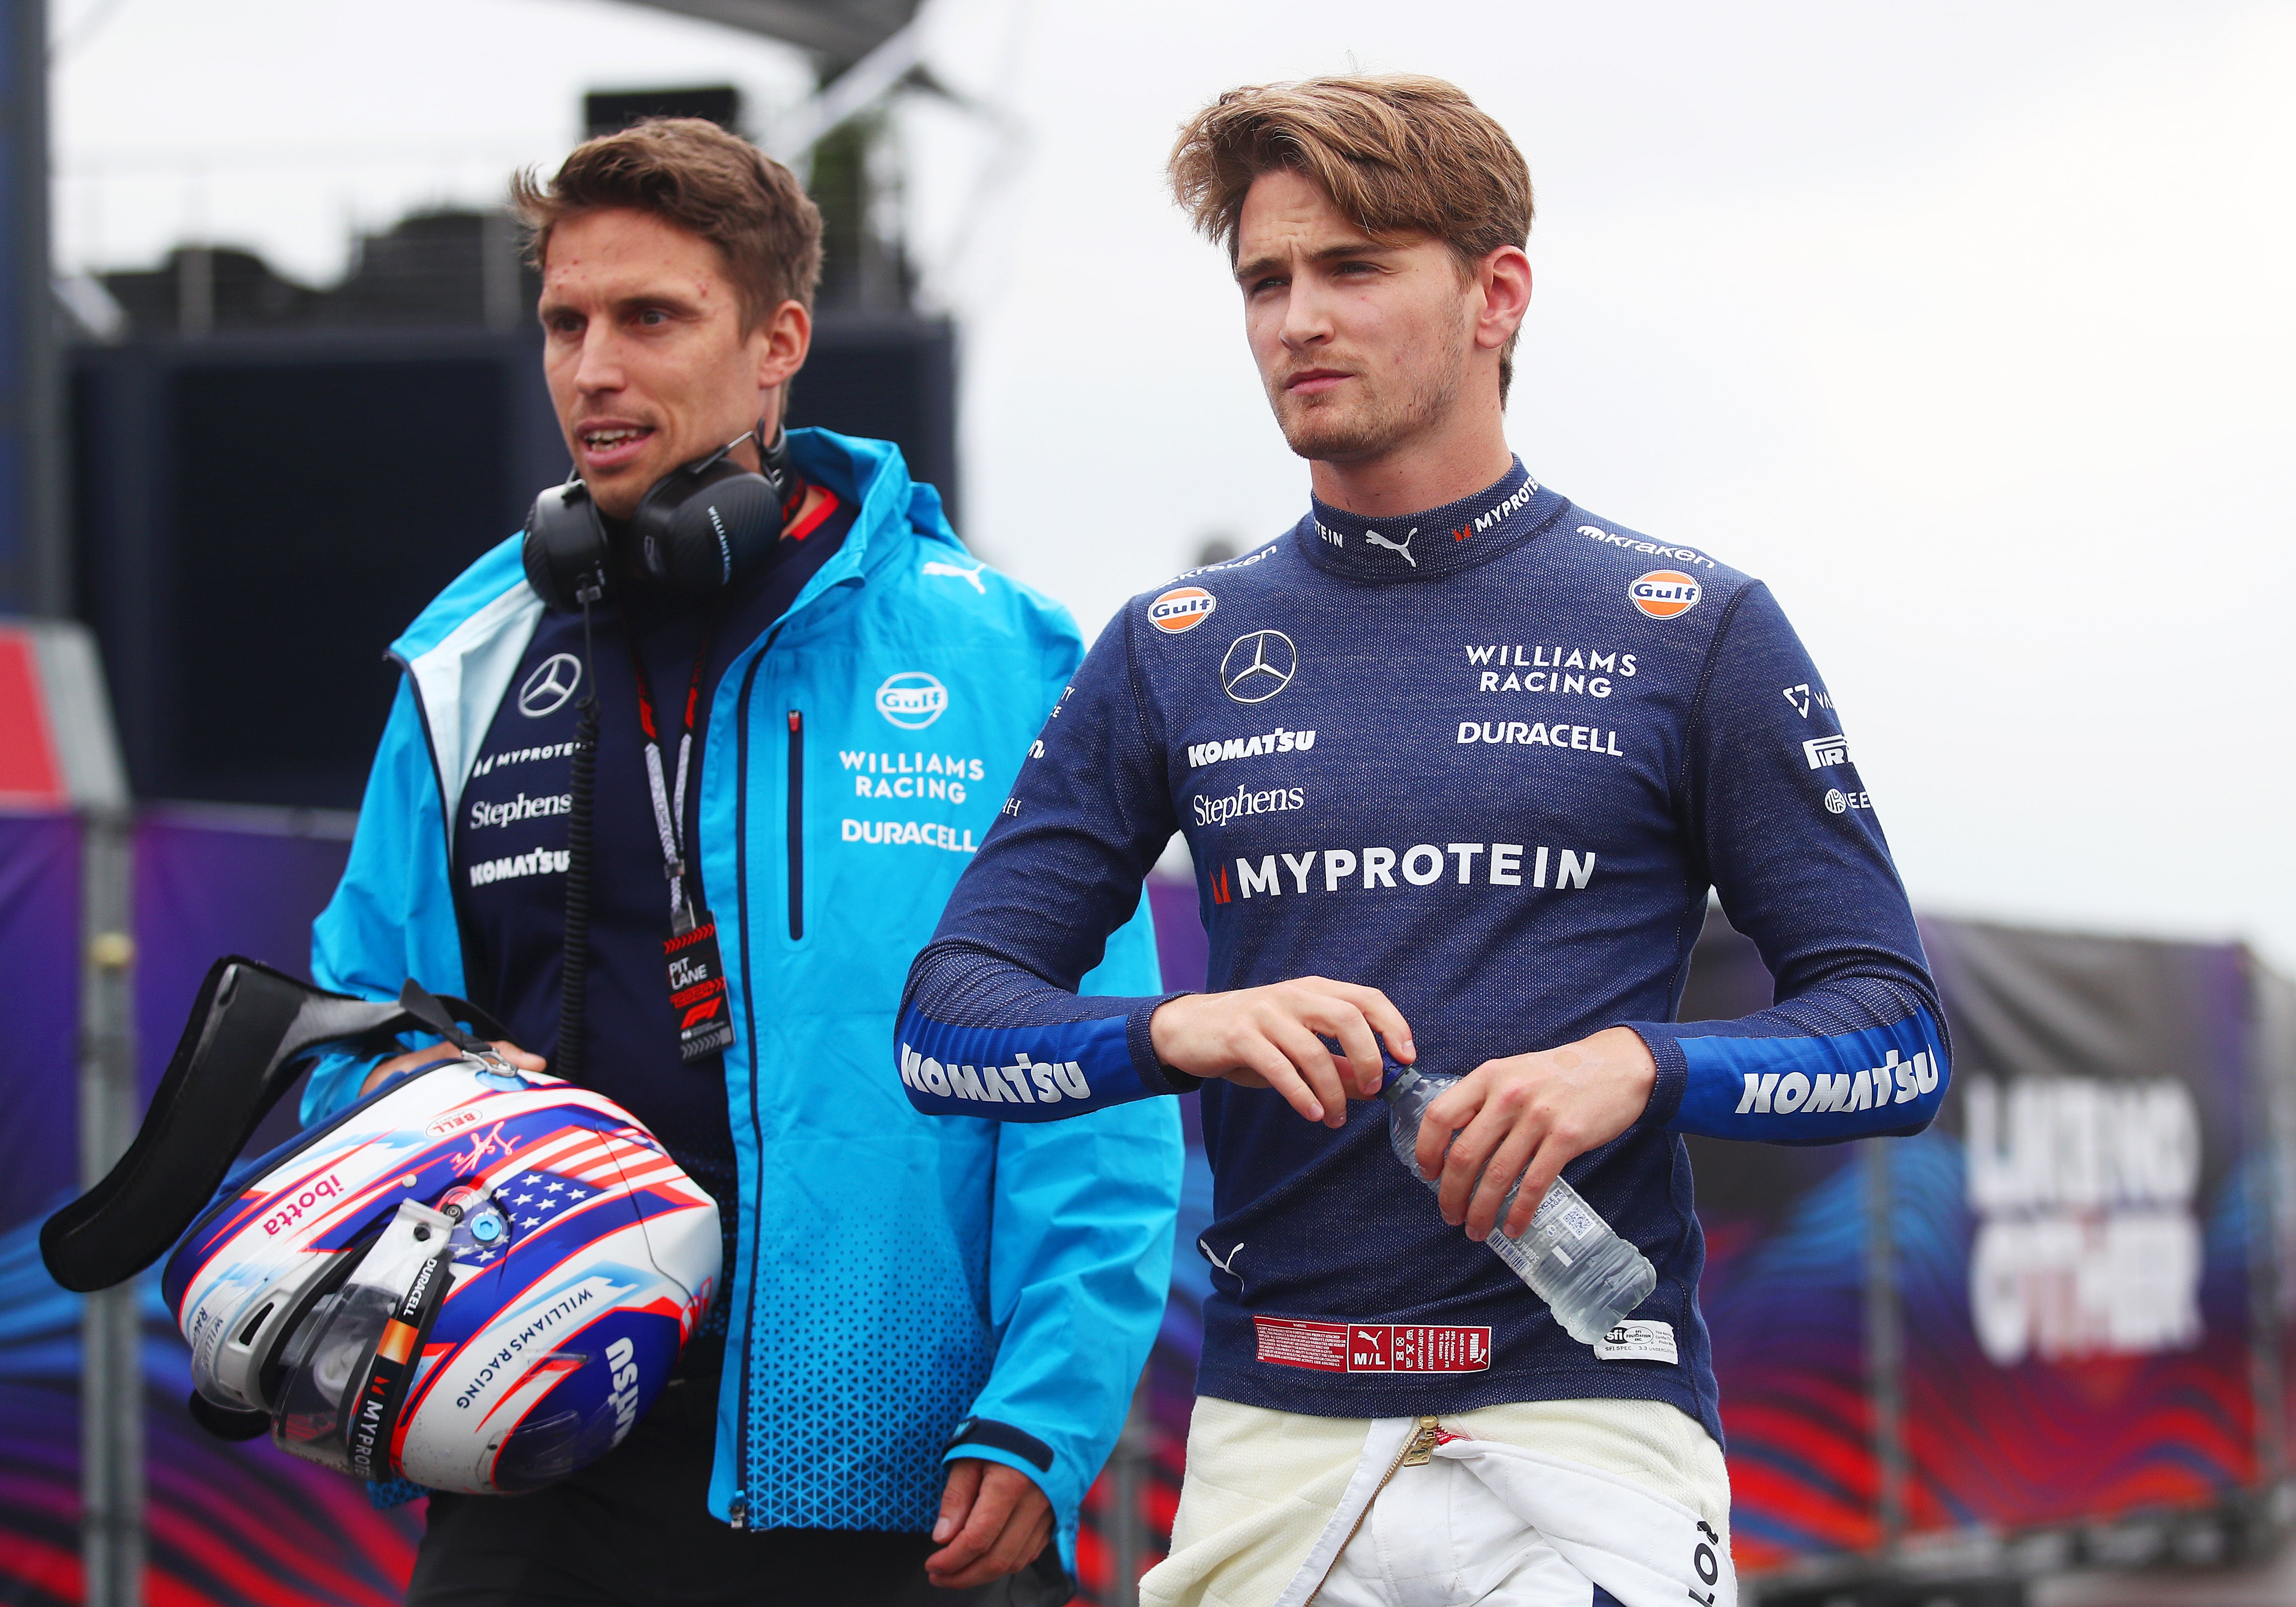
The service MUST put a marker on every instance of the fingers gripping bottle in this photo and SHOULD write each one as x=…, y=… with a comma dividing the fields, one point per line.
x=1588, y=1276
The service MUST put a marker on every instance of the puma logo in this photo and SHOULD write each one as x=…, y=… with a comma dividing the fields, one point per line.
x=1404, y=547
x=1228, y=1266
x=954, y=572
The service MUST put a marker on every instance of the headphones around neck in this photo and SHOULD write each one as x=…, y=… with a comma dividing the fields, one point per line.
x=699, y=528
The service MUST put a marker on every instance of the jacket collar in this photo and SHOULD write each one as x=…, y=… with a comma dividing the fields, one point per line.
x=874, y=475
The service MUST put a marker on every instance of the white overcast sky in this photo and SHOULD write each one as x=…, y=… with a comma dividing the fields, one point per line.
x=1967, y=325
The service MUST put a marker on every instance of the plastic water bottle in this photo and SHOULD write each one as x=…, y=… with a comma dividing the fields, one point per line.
x=1588, y=1276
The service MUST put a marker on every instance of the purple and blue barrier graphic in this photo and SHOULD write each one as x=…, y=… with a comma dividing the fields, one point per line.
x=39, y=1323
x=228, y=1525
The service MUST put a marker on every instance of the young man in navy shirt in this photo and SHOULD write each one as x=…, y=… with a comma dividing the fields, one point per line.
x=1458, y=763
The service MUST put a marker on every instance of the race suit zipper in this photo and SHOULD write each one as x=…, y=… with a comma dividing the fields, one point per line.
x=796, y=824
x=1414, y=1452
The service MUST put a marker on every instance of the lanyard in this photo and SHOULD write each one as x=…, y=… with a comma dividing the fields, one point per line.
x=668, y=799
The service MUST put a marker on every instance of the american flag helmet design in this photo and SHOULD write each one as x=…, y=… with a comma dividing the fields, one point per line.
x=477, y=1278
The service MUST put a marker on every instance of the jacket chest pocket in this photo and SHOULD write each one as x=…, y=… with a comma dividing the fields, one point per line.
x=793, y=823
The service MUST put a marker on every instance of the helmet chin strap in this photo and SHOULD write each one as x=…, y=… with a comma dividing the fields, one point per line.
x=252, y=1030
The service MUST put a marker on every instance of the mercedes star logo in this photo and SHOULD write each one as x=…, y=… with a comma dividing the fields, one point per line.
x=553, y=682
x=1259, y=665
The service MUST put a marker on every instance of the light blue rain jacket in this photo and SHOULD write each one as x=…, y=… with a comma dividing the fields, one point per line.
x=903, y=1279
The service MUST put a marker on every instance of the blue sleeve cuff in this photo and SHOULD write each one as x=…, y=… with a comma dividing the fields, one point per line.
x=975, y=1434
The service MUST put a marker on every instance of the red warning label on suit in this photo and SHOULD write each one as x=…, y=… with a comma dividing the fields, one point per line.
x=1371, y=1347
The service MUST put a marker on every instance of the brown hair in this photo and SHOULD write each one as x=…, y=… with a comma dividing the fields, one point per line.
x=690, y=172
x=1398, y=153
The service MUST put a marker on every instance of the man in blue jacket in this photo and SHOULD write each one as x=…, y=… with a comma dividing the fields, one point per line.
x=928, y=1332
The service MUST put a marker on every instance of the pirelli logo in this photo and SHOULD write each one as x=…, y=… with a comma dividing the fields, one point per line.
x=1824, y=752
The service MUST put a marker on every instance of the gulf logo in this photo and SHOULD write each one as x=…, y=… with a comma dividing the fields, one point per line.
x=1663, y=594
x=1183, y=607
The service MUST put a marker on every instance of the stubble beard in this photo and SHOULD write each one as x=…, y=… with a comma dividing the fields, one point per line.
x=1378, y=423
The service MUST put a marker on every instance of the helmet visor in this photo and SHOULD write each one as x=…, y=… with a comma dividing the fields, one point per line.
x=349, y=1364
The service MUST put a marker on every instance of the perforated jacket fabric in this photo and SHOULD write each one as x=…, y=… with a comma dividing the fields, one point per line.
x=903, y=1282
x=1488, y=759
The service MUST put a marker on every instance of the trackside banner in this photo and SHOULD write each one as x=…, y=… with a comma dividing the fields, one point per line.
x=2079, y=1238
x=2074, y=1251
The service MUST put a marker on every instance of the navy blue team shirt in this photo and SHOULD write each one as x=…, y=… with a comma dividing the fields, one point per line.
x=510, y=853
x=1490, y=760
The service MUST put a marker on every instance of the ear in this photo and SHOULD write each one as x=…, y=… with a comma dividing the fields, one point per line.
x=1504, y=279
x=780, y=343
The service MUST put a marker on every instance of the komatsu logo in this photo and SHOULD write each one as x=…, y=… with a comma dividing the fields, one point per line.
x=1024, y=1082
x=1894, y=1081
x=622, y=1360
x=1282, y=740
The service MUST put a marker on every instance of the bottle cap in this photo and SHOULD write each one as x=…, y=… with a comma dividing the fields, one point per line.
x=1399, y=1077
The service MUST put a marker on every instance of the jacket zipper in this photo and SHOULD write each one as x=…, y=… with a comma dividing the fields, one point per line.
x=796, y=826
x=738, y=1510
x=1416, y=1452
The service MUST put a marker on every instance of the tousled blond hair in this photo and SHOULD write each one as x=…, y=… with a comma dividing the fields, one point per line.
x=1398, y=153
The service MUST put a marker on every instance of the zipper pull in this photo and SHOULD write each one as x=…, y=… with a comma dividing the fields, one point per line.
x=1424, y=1443
x=796, y=722
x=737, y=1511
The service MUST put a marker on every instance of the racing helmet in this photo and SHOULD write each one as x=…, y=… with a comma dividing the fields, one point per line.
x=475, y=1278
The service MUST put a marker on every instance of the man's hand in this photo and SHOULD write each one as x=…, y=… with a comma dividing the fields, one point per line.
x=415, y=1060
x=1268, y=1038
x=993, y=1521
x=1539, y=1110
